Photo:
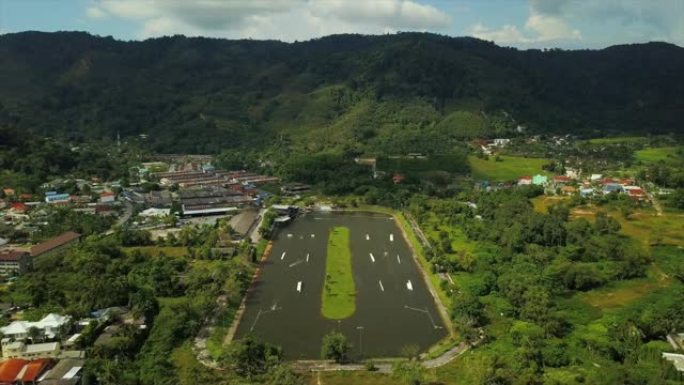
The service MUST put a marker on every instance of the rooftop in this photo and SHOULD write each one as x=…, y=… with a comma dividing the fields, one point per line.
x=53, y=243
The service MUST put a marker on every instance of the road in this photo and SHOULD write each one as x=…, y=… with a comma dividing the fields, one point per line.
x=128, y=213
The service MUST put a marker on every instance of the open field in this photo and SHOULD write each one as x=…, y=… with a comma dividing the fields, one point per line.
x=542, y=203
x=394, y=307
x=619, y=139
x=509, y=168
x=643, y=225
x=657, y=154
x=339, y=293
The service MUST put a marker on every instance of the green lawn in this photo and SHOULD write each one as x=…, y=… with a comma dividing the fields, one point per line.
x=666, y=154
x=509, y=168
x=339, y=294
x=618, y=139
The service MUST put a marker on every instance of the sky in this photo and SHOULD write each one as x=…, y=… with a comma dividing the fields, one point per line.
x=570, y=24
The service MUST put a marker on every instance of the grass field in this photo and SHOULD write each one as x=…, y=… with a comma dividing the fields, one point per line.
x=619, y=139
x=542, y=203
x=339, y=293
x=509, y=168
x=653, y=155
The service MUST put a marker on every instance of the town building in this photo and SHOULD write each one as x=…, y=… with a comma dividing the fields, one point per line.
x=67, y=372
x=539, y=180
x=55, y=245
x=55, y=198
x=14, y=262
x=9, y=370
x=50, y=326
x=20, y=349
x=525, y=181
x=107, y=197
x=676, y=359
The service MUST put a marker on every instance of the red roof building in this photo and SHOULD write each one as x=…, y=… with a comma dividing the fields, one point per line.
x=8, y=192
x=525, y=180
x=34, y=369
x=562, y=179
x=398, y=178
x=54, y=244
x=25, y=197
x=19, y=207
x=9, y=370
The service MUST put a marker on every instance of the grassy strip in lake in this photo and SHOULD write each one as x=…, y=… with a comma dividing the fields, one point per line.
x=339, y=292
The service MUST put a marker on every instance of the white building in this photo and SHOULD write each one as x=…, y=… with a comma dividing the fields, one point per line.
x=49, y=326
x=676, y=359
x=19, y=349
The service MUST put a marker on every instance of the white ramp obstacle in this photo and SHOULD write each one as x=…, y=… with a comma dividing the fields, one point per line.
x=391, y=237
x=299, y=286
x=409, y=285
x=372, y=257
x=283, y=255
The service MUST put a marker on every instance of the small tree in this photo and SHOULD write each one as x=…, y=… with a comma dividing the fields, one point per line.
x=409, y=372
x=33, y=333
x=335, y=347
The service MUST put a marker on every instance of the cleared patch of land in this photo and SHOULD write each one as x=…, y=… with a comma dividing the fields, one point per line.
x=339, y=293
x=508, y=168
x=619, y=139
x=657, y=154
x=542, y=203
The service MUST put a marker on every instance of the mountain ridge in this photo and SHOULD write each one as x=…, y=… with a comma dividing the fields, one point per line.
x=347, y=92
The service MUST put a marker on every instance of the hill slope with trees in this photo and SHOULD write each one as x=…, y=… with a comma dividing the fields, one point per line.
x=347, y=93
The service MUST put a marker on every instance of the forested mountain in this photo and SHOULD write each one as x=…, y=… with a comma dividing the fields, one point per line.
x=352, y=93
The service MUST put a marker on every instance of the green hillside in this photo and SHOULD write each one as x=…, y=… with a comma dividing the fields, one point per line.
x=355, y=94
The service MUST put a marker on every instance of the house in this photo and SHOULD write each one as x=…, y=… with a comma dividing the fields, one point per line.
x=25, y=197
x=525, y=181
x=50, y=326
x=539, y=180
x=66, y=372
x=3, y=242
x=14, y=262
x=8, y=192
x=32, y=371
x=19, y=208
x=596, y=177
x=55, y=245
x=20, y=349
x=54, y=197
x=154, y=212
x=107, y=197
x=9, y=370
x=501, y=142
x=635, y=192
x=586, y=192
x=572, y=173
x=611, y=188
x=676, y=359
x=568, y=190
x=561, y=179
x=676, y=340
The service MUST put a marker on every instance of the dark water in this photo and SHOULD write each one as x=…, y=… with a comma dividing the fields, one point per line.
x=389, y=319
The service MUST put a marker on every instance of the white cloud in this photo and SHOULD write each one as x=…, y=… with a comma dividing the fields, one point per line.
x=96, y=13
x=548, y=28
x=279, y=19
x=506, y=34
x=544, y=24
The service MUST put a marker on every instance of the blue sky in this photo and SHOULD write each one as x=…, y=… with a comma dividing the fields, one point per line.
x=519, y=23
